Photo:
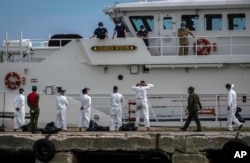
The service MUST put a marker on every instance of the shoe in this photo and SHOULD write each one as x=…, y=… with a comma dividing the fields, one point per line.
x=148, y=128
x=80, y=129
x=14, y=130
x=183, y=129
x=240, y=126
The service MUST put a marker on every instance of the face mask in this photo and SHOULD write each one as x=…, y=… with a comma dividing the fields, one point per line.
x=182, y=27
x=143, y=29
x=119, y=24
x=100, y=27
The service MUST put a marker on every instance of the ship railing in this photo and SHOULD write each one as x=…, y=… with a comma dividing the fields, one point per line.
x=21, y=49
x=159, y=46
x=202, y=45
x=174, y=107
x=164, y=107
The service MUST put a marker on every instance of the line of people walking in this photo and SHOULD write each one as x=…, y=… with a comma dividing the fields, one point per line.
x=142, y=108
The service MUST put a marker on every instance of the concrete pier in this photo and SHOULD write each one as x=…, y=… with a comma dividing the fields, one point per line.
x=182, y=147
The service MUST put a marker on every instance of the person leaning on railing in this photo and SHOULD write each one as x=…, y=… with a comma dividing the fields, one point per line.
x=143, y=33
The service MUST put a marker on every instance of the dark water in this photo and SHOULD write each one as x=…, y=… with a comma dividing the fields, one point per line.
x=12, y=157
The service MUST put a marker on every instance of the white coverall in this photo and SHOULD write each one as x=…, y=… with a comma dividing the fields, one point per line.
x=19, y=116
x=142, y=104
x=116, y=111
x=61, y=105
x=85, y=112
x=232, y=104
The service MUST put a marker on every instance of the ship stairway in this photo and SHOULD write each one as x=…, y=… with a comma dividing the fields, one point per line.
x=132, y=110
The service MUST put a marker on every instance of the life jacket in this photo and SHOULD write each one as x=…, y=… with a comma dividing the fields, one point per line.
x=32, y=98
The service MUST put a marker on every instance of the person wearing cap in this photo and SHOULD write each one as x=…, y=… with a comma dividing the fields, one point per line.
x=183, y=33
x=85, y=109
x=19, y=113
x=61, y=115
x=143, y=33
x=232, y=106
x=116, y=109
x=120, y=30
x=101, y=32
x=193, y=107
x=142, y=103
x=33, y=103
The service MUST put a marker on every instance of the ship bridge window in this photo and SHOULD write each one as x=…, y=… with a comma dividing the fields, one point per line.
x=147, y=21
x=236, y=21
x=167, y=23
x=191, y=21
x=213, y=22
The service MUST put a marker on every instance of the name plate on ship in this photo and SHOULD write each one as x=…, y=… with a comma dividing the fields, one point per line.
x=114, y=48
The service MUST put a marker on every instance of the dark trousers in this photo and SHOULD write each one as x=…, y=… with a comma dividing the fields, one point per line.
x=34, y=119
x=192, y=115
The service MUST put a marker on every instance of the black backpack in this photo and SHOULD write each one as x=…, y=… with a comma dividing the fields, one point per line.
x=50, y=128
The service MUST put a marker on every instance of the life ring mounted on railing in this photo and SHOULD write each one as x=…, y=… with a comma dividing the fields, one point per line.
x=12, y=80
x=202, y=47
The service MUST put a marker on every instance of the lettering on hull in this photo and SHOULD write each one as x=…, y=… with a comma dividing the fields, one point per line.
x=114, y=48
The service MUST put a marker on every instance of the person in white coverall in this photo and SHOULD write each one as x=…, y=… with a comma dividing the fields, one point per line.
x=19, y=113
x=61, y=112
x=142, y=103
x=85, y=109
x=116, y=109
x=232, y=106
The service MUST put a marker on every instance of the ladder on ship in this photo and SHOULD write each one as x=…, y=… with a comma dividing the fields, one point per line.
x=132, y=110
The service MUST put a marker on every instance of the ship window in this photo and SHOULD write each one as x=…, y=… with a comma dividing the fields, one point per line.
x=213, y=22
x=236, y=21
x=147, y=21
x=167, y=23
x=191, y=21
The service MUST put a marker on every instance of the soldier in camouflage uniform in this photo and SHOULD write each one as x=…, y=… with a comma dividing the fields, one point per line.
x=193, y=107
x=33, y=103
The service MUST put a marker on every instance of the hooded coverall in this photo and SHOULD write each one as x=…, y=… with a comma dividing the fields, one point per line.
x=232, y=105
x=115, y=111
x=85, y=112
x=142, y=104
x=61, y=105
x=19, y=113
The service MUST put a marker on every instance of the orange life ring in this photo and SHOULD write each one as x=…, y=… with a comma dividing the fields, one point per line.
x=12, y=80
x=202, y=47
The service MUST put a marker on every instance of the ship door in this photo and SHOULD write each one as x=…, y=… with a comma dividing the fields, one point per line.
x=168, y=34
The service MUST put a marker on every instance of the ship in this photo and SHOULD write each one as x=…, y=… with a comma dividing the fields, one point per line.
x=218, y=54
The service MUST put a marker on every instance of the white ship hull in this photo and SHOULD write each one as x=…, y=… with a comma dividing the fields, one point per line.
x=101, y=64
